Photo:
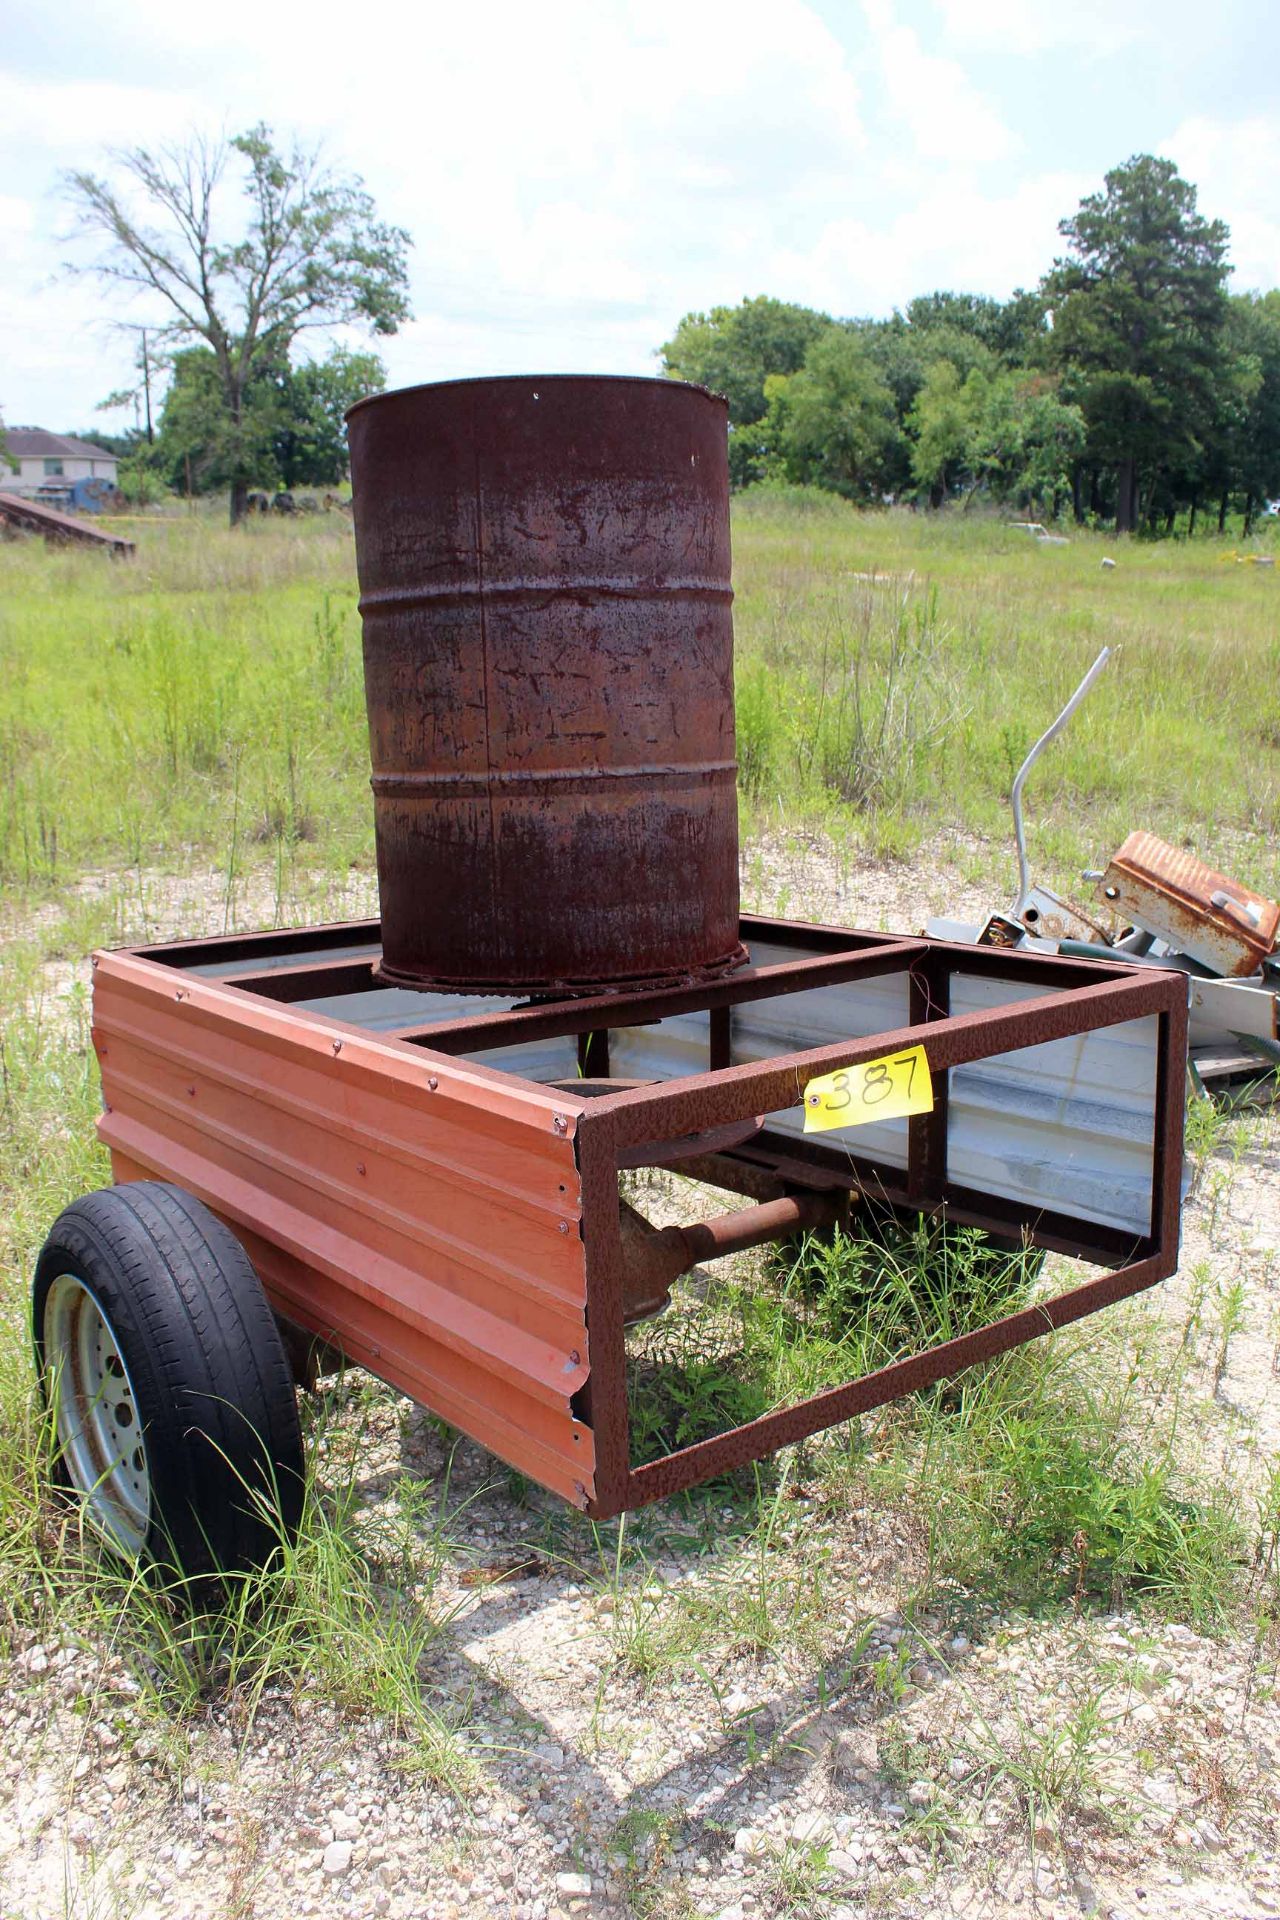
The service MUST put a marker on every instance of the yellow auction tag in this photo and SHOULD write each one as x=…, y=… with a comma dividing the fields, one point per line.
x=881, y=1089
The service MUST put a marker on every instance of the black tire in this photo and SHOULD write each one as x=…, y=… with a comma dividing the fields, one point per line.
x=193, y=1352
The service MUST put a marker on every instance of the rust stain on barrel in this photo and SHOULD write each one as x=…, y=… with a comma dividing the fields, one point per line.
x=545, y=589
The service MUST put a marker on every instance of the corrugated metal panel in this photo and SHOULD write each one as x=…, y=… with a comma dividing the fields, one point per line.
x=670, y=1050
x=436, y=1226
x=538, y=1060
x=299, y=956
x=823, y=1017
x=1067, y=1125
x=386, y=1009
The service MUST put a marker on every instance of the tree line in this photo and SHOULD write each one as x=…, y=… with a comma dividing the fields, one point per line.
x=1129, y=386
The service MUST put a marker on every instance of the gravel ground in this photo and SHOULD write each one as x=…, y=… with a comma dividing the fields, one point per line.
x=771, y=1792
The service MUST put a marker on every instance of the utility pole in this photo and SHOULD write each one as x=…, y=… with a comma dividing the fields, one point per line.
x=146, y=386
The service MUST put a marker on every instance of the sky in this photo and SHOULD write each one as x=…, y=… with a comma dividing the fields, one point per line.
x=577, y=174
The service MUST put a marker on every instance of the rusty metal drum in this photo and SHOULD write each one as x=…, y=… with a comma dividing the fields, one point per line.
x=548, y=649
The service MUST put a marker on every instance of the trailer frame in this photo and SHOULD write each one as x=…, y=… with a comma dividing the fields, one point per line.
x=454, y=1227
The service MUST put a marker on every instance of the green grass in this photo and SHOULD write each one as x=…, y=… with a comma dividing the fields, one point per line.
x=1047, y=1476
x=206, y=696
x=918, y=692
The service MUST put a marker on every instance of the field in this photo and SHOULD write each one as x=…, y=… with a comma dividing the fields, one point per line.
x=1008, y=1647
x=206, y=700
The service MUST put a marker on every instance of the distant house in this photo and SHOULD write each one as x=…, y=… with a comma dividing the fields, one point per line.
x=51, y=463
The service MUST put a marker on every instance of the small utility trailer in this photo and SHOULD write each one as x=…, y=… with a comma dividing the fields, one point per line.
x=401, y=1141
x=428, y=1184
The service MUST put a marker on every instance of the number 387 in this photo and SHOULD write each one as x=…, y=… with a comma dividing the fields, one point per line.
x=869, y=1085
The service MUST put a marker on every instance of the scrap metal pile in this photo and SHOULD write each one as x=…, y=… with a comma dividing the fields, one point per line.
x=1173, y=911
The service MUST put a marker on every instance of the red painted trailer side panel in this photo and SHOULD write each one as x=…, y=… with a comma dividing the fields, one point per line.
x=421, y=1215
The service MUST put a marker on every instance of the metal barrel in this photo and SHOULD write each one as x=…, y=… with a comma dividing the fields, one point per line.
x=548, y=652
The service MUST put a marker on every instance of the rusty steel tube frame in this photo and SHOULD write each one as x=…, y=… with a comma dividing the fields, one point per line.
x=654, y=1257
x=609, y=1131
x=611, y=1124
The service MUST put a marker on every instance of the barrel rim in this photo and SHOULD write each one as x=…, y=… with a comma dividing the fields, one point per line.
x=540, y=380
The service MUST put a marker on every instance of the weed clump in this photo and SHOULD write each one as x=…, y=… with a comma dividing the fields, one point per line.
x=1033, y=1475
x=894, y=1283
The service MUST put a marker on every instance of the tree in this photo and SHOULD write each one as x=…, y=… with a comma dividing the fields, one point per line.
x=1014, y=329
x=1025, y=439
x=905, y=354
x=734, y=350
x=311, y=442
x=291, y=432
x=1138, y=306
x=311, y=253
x=200, y=447
x=943, y=420
x=1253, y=450
x=833, y=422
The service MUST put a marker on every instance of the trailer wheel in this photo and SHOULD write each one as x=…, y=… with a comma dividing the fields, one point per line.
x=174, y=1406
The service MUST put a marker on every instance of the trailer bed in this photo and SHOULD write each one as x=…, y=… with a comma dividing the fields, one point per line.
x=429, y=1182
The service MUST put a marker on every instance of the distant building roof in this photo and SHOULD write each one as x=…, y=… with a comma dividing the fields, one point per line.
x=33, y=443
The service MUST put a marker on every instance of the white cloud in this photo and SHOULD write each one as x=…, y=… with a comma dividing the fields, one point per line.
x=958, y=237
x=1235, y=168
x=1032, y=26
x=933, y=98
x=77, y=116
x=574, y=176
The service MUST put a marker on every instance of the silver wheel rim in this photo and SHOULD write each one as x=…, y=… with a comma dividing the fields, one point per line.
x=99, y=1431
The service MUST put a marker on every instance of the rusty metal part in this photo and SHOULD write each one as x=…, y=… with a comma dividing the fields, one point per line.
x=665, y=1153
x=646, y=1282
x=548, y=645
x=32, y=516
x=692, y=1146
x=883, y=953
x=998, y=930
x=1048, y=916
x=1141, y=1261
x=457, y=1229
x=655, y=1257
x=1200, y=912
